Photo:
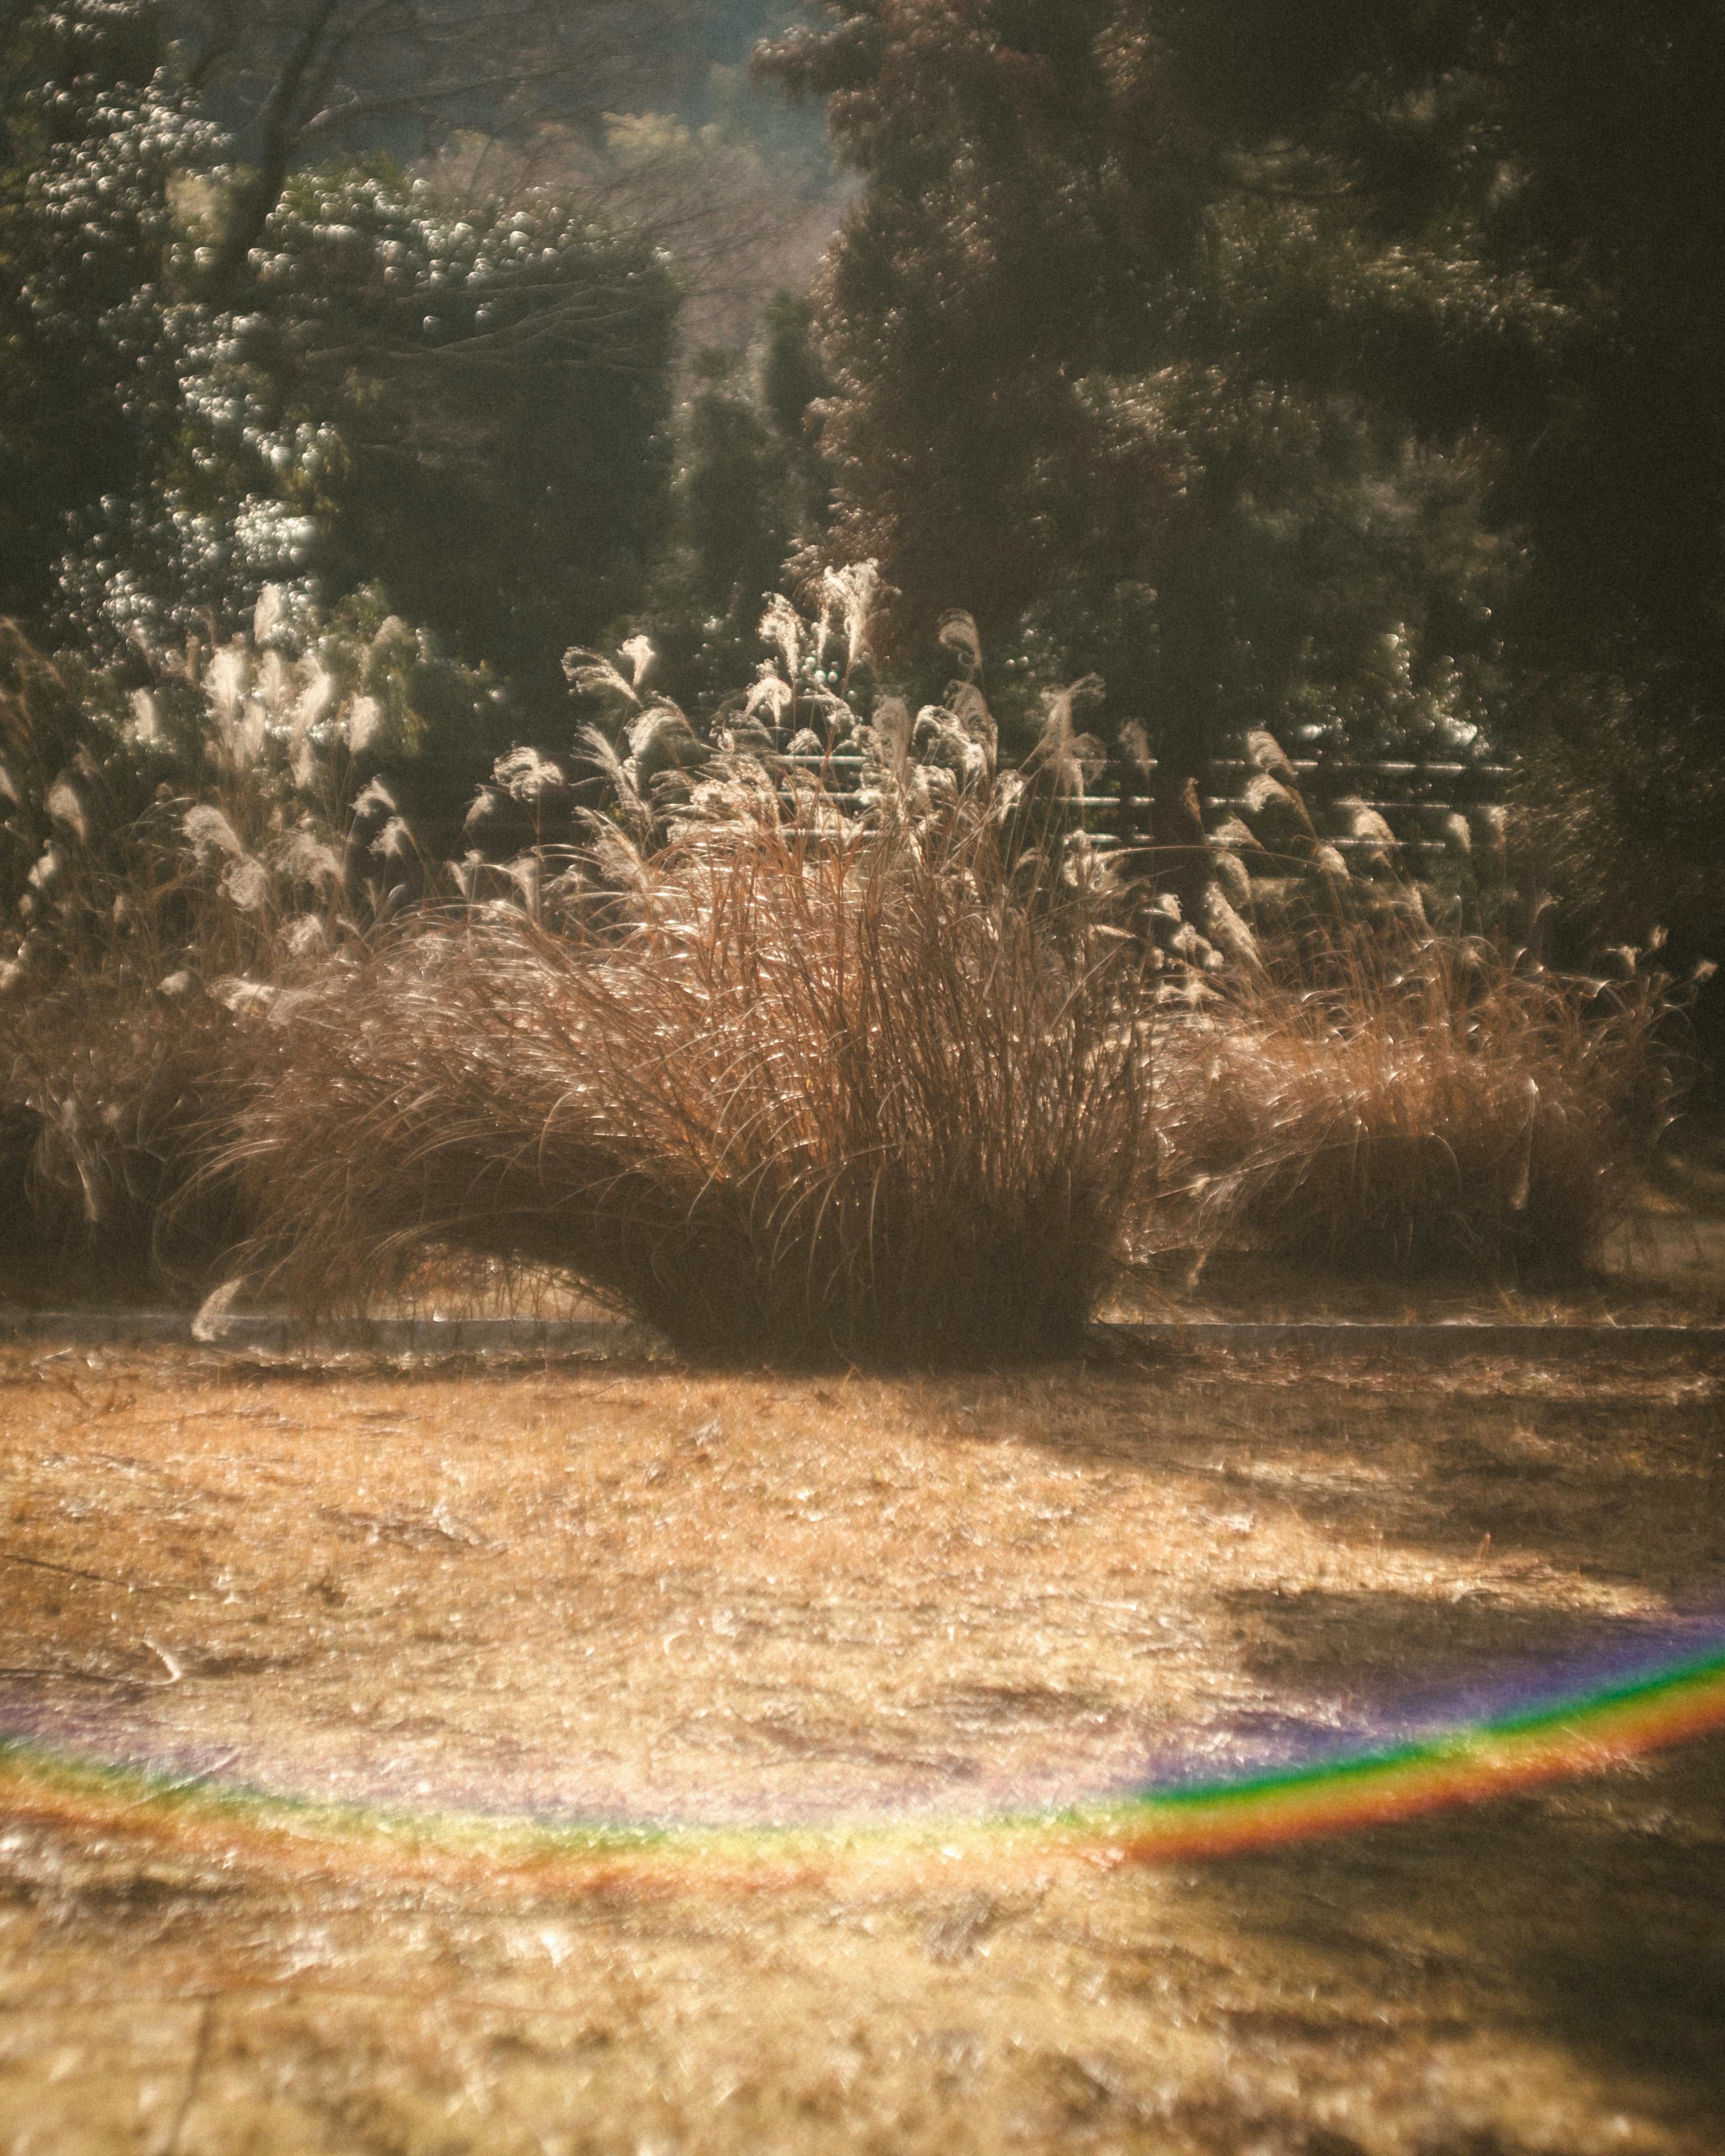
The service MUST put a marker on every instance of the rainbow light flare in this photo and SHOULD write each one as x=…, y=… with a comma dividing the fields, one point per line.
x=1581, y=1732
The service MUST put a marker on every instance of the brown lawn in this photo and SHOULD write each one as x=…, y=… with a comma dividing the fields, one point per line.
x=643, y=1592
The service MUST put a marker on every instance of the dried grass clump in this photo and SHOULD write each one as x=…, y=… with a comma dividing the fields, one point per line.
x=1376, y=1102
x=111, y=1090
x=169, y=861
x=798, y=1103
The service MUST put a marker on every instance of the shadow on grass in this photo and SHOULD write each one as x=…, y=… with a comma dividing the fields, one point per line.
x=1592, y=1918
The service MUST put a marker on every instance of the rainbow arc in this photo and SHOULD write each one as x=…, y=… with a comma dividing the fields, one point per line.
x=1572, y=1733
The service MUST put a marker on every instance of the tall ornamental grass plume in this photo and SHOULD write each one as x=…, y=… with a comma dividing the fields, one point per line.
x=1374, y=1100
x=173, y=860
x=800, y=1101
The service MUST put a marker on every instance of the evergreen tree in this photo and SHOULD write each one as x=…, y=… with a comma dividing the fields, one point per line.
x=751, y=495
x=1099, y=383
x=1246, y=339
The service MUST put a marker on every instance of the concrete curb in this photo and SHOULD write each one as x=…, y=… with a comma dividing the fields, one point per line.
x=1435, y=1343
x=280, y=1335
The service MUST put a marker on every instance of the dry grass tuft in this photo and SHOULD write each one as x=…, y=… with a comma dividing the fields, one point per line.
x=112, y=1091
x=1380, y=1100
x=803, y=1103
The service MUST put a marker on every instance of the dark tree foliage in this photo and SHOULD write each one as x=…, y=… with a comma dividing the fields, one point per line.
x=750, y=494
x=90, y=135
x=1570, y=152
x=1252, y=337
x=1064, y=342
x=733, y=505
x=957, y=297
x=302, y=81
x=493, y=380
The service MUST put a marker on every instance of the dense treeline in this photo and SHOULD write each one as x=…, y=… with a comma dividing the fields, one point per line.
x=1351, y=370
x=1350, y=374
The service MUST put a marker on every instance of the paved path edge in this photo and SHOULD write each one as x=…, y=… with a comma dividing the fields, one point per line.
x=280, y=1334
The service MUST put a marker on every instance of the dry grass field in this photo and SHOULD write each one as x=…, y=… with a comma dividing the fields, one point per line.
x=643, y=1593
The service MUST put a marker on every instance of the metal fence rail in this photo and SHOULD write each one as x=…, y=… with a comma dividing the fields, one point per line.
x=1408, y=794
